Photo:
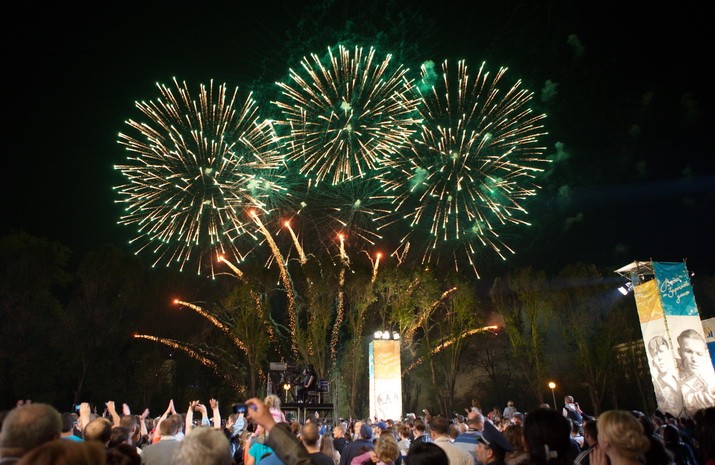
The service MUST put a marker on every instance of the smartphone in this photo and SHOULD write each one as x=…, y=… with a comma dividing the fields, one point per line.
x=76, y=408
x=239, y=408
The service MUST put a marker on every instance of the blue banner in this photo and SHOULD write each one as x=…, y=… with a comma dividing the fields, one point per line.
x=676, y=293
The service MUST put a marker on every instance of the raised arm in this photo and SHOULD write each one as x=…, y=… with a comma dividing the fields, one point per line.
x=189, y=425
x=216, y=413
x=112, y=409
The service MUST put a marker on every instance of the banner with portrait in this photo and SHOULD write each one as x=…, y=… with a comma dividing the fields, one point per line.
x=659, y=348
x=385, y=380
x=687, y=339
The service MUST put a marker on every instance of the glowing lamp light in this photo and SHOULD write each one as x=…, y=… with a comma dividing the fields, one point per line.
x=378, y=334
x=552, y=385
x=396, y=335
x=386, y=335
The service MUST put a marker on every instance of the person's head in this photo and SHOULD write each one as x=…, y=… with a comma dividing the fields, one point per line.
x=403, y=431
x=568, y=400
x=620, y=434
x=338, y=431
x=272, y=401
x=510, y=403
x=64, y=452
x=547, y=437
x=365, y=432
x=28, y=426
x=693, y=350
x=130, y=422
x=326, y=445
x=203, y=446
x=169, y=427
x=119, y=435
x=590, y=432
x=420, y=427
x=492, y=445
x=439, y=426
x=99, y=429
x=68, y=422
x=705, y=431
x=123, y=454
x=515, y=435
x=475, y=420
x=356, y=427
x=426, y=453
x=386, y=449
x=310, y=435
x=671, y=435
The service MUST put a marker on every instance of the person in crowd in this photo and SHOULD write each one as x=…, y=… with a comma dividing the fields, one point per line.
x=420, y=433
x=468, y=440
x=426, y=453
x=492, y=446
x=285, y=444
x=27, y=427
x=119, y=435
x=621, y=440
x=576, y=435
x=656, y=453
x=63, y=452
x=590, y=440
x=203, y=446
x=386, y=453
x=273, y=402
x=310, y=437
x=403, y=433
x=547, y=438
x=682, y=453
x=509, y=410
x=123, y=454
x=339, y=439
x=99, y=429
x=705, y=431
x=515, y=435
x=572, y=411
x=327, y=447
x=162, y=451
x=68, y=424
x=439, y=432
x=359, y=446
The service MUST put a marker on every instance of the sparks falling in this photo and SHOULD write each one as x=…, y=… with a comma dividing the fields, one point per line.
x=196, y=165
x=346, y=114
x=466, y=175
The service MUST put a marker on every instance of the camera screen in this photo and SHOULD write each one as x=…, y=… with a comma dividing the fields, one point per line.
x=239, y=408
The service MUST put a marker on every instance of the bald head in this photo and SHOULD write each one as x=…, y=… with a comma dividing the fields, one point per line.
x=99, y=429
x=29, y=426
x=310, y=435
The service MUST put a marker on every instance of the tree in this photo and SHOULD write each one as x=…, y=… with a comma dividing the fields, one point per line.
x=34, y=271
x=523, y=299
x=590, y=329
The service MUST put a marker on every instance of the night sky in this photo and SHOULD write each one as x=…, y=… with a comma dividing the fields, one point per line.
x=634, y=177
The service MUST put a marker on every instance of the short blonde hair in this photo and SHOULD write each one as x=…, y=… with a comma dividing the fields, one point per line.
x=622, y=432
x=272, y=400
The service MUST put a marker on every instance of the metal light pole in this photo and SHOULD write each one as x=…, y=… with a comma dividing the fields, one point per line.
x=552, y=386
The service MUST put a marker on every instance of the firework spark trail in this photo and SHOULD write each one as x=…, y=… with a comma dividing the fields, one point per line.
x=340, y=314
x=285, y=278
x=448, y=343
x=196, y=165
x=299, y=248
x=196, y=356
x=215, y=321
x=473, y=164
x=346, y=114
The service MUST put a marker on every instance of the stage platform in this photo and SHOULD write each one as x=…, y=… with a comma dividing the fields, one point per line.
x=301, y=411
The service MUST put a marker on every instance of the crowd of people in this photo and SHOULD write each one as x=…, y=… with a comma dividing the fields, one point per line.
x=258, y=433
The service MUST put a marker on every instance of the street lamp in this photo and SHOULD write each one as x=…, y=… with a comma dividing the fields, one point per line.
x=552, y=386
